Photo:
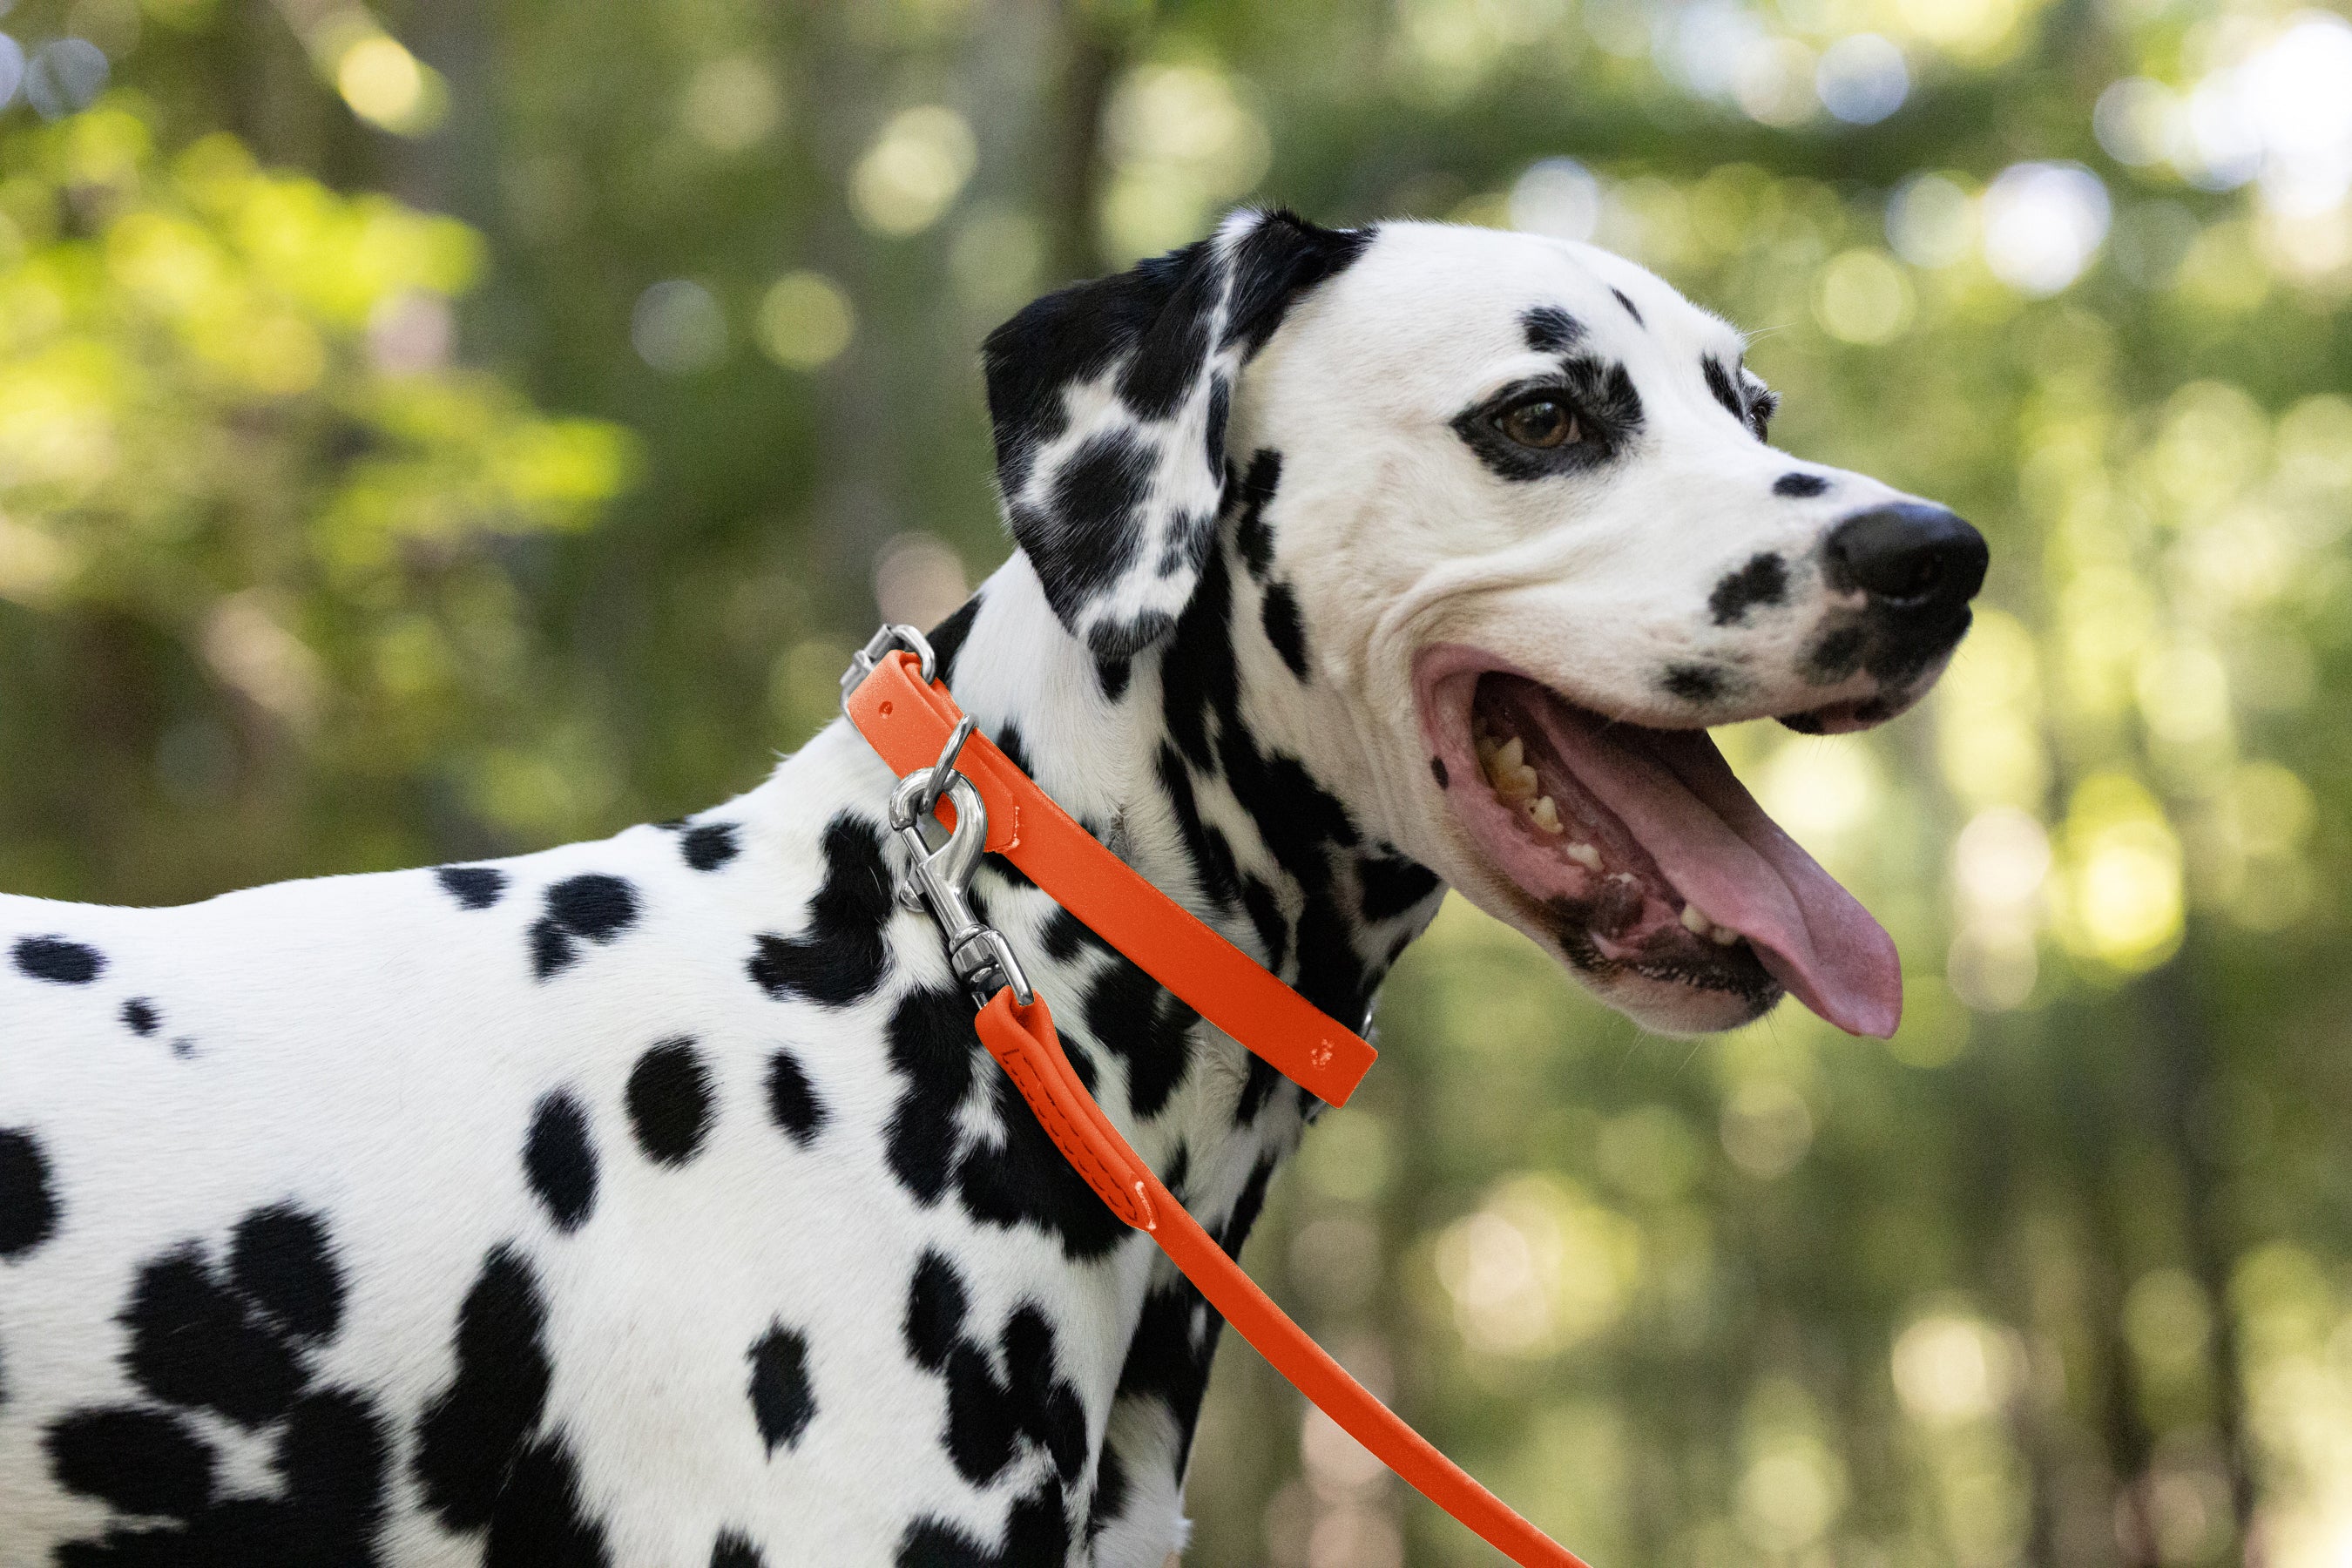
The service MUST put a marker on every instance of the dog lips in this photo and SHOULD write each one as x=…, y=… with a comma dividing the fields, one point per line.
x=1680, y=800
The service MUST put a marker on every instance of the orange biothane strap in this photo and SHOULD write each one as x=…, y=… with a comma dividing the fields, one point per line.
x=907, y=721
x=1023, y=1041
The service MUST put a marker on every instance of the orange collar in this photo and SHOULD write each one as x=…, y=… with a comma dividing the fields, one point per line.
x=913, y=723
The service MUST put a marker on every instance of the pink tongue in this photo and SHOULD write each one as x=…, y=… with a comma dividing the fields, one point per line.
x=1678, y=797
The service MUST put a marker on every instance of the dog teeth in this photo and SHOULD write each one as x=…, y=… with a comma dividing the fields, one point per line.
x=1545, y=815
x=1507, y=769
x=1586, y=855
x=1696, y=922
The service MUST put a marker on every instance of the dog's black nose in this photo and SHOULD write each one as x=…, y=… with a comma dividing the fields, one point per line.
x=1908, y=556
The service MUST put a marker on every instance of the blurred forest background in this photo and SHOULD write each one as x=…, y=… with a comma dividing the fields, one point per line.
x=440, y=430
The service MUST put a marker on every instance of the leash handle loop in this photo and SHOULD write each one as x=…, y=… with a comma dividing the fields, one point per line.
x=1024, y=1043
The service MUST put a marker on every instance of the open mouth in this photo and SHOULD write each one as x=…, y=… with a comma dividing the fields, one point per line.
x=1644, y=854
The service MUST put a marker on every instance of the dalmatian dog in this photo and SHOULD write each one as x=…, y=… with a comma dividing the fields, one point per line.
x=651, y=1204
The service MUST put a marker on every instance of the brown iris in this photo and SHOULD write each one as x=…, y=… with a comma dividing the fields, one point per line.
x=1541, y=422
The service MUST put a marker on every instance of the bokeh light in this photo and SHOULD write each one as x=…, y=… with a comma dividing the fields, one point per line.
x=65, y=77
x=2043, y=225
x=1862, y=79
x=677, y=327
x=913, y=170
x=804, y=321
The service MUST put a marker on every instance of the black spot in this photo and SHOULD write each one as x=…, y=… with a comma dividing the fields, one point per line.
x=1392, y=885
x=1210, y=852
x=280, y=1260
x=1799, y=484
x=470, y=1438
x=710, y=846
x=1283, y=629
x=842, y=956
x=196, y=1343
x=1168, y=1358
x=781, y=1401
x=539, y=1521
x=28, y=1205
x=1265, y=914
x=1550, y=330
x=474, y=886
x=1803, y=723
x=991, y=1417
x=1629, y=310
x=1246, y=1208
x=559, y=1161
x=1221, y=403
x=1130, y=1013
x=947, y=639
x=594, y=905
x=1276, y=261
x=931, y=1045
x=1838, y=654
x=140, y=1016
x=936, y=1305
x=333, y=1454
x=1036, y=1535
x=1257, y=1087
x=1763, y=580
x=53, y=958
x=1109, y=1497
x=733, y=1550
x=551, y=948
x=792, y=1101
x=1251, y=535
x=1437, y=772
x=1024, y=1179
x=1089, y=532
x=1725, y=390
x=329, y=1458
x=1112, y=675
x=1693, y=682
x=669, y=1101
x=137, y=1462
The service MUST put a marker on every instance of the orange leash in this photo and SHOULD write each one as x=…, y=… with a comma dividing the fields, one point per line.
x=918, y=730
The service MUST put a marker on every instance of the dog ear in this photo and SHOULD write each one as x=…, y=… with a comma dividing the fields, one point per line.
x=1109, y=401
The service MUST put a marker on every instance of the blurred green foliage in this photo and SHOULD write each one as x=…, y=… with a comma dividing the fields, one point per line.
x=296, y=574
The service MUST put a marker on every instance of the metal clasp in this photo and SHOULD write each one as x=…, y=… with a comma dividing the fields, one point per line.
x=862, y=662
x=939, y=878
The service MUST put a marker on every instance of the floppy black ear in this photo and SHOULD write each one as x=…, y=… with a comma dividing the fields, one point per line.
x=1109, y=402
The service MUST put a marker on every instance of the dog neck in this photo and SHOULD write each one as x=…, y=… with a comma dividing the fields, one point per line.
x=1167, y=758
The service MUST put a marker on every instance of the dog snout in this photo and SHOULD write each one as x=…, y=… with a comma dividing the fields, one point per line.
x=1911, y=558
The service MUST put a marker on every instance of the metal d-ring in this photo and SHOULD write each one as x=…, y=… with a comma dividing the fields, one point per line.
x=945, y=768
x=942, y=879
x=862, y=662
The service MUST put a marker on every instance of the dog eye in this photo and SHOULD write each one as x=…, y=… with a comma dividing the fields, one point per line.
x=1541, y=422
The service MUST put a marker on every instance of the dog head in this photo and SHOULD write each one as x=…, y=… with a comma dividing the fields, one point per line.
x=1506, y=512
